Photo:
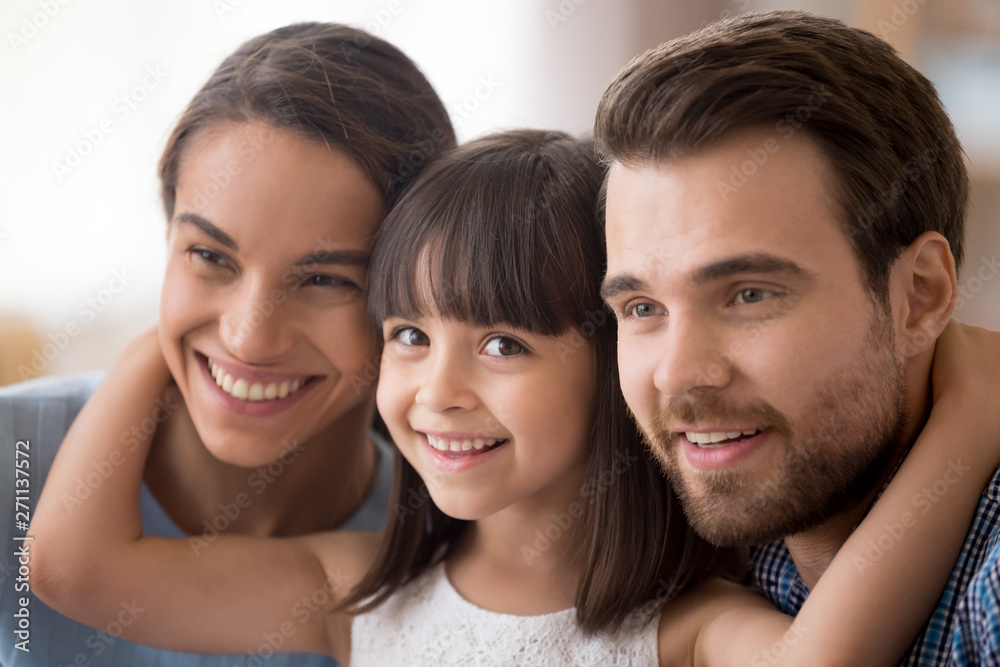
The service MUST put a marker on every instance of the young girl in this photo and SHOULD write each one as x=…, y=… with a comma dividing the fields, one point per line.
x=527, y=525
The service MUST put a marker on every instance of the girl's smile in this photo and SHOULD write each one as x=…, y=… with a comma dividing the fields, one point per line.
x=461, y=451
x=471, y=409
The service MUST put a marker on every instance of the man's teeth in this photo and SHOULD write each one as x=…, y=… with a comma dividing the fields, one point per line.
x=258, y=391
x=718, y=436
x=447, y=445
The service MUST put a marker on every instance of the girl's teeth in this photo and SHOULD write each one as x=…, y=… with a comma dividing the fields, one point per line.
x=446, y=445
x=242, y=390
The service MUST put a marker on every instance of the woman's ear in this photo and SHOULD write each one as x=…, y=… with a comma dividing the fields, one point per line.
x=924, y=287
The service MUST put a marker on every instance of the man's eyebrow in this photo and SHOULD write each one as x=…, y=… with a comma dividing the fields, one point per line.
x=751, y=263
x=342, y=257
x=207, y=227
x=617, y=284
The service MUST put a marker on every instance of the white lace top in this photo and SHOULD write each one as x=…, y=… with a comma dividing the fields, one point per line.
x=428, y=623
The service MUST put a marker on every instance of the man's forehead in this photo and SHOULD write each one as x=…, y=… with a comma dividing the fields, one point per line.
x=672, y=216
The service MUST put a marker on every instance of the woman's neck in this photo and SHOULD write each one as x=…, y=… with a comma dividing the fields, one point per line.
x=314, y=485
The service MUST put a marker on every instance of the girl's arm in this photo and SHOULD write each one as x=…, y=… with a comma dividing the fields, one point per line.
x=234, y=595
x=890, y=573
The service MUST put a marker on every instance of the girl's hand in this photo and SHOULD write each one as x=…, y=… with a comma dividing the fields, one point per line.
x=965, y=379
x=967, y=362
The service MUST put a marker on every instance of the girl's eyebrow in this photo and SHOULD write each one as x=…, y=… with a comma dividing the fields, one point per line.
x=209, y=229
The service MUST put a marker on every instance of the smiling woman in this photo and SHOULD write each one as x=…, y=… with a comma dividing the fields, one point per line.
x=264, y=292
x=274, y=182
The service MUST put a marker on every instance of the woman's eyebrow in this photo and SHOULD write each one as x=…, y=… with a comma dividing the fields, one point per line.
x=209, y=229
x=341, y=257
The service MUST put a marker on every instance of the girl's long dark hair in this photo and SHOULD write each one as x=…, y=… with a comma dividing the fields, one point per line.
x=506, y=230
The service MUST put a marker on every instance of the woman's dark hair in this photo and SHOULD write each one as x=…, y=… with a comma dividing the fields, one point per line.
x=505, y=231
x=328, y=83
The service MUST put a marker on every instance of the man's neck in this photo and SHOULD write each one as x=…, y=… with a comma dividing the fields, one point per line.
x=813, y=550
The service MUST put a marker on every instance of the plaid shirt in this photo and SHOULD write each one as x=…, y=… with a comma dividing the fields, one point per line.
x=965, y=627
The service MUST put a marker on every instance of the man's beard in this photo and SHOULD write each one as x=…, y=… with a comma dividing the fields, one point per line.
x=856, y=421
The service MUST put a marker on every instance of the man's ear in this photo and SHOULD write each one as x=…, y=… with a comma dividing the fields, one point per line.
x=923, y=289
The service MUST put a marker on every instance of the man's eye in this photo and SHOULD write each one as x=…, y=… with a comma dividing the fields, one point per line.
x=642, y=310
x=503, y=346
x=411, y=336
x=752, y=295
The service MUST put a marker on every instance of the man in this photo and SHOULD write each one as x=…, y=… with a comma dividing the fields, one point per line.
x=785, y=213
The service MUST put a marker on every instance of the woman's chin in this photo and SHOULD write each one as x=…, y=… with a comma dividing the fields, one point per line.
x=256, y=455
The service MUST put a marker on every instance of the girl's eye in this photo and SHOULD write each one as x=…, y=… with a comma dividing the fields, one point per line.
x=752, y=295
x=411, y=336
x=503, y=346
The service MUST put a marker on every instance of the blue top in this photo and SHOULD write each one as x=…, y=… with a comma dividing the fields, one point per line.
x=40, y=412
x=965, y=627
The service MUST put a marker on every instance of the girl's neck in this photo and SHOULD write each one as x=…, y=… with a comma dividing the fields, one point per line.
x=315, y=485
x=524, y=560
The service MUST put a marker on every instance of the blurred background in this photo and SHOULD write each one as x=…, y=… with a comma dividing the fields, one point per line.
x=91, y=89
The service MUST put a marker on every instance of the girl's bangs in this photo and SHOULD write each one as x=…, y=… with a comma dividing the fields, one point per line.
x=486, y=242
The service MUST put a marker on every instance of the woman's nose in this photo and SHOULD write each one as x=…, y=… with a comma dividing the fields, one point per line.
x=253, y=324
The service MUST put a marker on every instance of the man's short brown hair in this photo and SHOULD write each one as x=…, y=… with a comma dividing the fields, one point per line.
x=898, y=167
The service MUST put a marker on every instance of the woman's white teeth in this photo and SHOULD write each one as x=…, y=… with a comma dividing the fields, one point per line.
x=447, y=445
x=258, y=391
x=718, y=436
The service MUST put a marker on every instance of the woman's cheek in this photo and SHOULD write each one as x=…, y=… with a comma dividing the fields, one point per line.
x=352, y=345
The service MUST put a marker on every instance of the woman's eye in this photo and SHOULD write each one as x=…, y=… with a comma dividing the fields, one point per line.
x=752, y=295
x=323, y=280
x=503, y=346
x=209, y=257
x=411, y=336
